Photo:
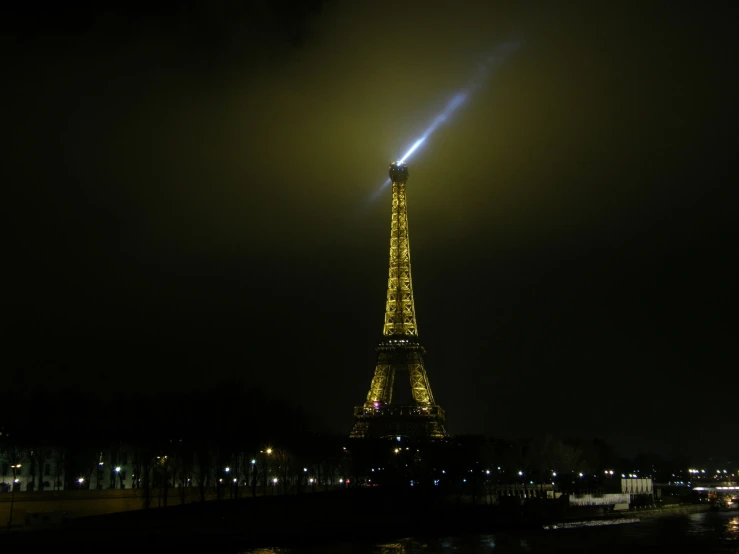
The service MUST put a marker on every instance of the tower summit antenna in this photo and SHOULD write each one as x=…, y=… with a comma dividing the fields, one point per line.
x=399, y=351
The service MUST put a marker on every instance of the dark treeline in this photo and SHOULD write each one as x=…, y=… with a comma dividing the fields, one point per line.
x=188, y=437
x=182, y=439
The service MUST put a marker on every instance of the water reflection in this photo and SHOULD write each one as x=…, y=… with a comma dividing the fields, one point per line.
x=591, y=523
x=697, y=524
x=732, y=529
x=403, y=546
x=397, y=547
x=702, y=533
x=269, y=550
x=467, y=544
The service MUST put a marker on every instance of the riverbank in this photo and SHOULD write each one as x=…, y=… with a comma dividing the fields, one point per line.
x=230, y=525
x=86, y=503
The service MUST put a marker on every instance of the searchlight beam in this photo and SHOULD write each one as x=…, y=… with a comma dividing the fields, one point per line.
x=482, y=72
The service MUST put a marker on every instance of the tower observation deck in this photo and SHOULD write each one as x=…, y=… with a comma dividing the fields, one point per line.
x=399, y=351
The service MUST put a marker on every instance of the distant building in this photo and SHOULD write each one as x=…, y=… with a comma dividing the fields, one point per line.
x=30, y=469
x=635, y=486
x=114, y=470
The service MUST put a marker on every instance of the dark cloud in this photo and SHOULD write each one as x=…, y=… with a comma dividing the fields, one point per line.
x=197, y=182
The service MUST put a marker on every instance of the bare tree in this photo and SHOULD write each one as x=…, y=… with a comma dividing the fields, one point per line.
x=114, y=477
x=41, y=457
x=283, y=465
x=328, y=468
x=85, y=460
x=204, y=465
x=32, y=460
x=242, y=466
x=15, y=456
x=143, y=458
x=345, y=467
x=571, y=458
x=182, y=467
x=541, y=456
x=58, y=460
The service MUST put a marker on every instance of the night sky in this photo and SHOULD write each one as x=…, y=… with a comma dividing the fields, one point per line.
x=190, y=195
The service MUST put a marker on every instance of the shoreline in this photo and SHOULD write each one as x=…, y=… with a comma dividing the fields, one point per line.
x=357, y=516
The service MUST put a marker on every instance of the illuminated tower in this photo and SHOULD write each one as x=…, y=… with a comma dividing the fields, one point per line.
x=399, y=351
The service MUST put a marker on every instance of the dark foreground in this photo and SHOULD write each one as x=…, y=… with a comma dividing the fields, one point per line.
x=361, y=516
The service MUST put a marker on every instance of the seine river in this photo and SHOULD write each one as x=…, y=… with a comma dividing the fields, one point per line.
x=701, y=533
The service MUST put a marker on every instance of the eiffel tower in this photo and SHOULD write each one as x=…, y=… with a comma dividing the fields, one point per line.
x=399, y=351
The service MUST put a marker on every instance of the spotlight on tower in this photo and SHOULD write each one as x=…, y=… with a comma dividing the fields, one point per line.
x=458, y=99
x=398, y=172
x=416, y=144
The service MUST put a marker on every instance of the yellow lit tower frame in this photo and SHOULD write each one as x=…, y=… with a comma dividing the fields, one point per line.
x=399, y=351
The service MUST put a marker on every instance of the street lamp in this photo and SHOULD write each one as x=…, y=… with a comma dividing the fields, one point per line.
x=266, y=452
x=15, y=469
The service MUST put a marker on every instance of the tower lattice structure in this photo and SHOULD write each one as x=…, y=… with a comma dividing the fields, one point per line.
x=400, y=350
